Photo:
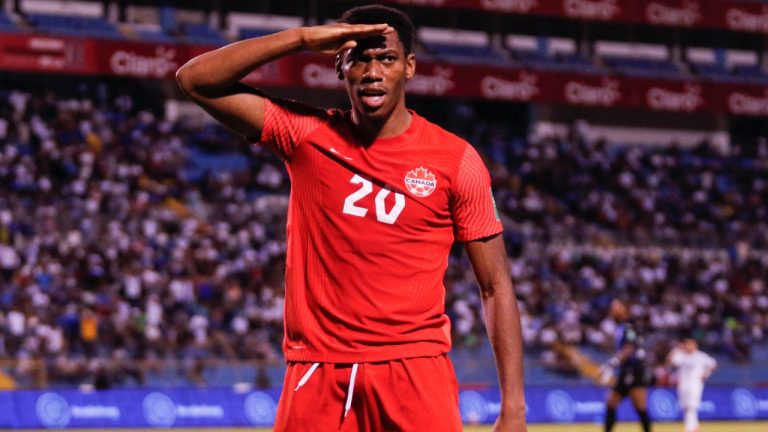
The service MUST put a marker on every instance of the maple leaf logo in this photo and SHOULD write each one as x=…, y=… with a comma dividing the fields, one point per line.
x=420, y=182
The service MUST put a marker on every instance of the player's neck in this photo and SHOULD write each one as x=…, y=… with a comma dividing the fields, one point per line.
x=369, y=129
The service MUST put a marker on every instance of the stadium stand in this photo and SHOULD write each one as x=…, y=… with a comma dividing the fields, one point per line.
x=168, y=271
x=540, y=52
x=73, y=26
x=459, y=46
x=6, y=24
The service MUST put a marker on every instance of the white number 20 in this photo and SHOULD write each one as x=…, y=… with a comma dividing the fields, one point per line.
x=382, y=215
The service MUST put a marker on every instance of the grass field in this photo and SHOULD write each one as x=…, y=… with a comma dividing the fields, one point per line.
x=586, y=427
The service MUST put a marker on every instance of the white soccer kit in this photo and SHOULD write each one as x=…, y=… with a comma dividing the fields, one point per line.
x=692, y=371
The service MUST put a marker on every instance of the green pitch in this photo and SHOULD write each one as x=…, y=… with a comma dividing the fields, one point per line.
x=585, y=427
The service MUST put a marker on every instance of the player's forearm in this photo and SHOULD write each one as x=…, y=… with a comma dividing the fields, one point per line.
x=625, y=353
x=502, y=321
x=218, y=70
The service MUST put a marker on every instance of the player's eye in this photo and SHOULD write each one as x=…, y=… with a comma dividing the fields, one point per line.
x=360, y=59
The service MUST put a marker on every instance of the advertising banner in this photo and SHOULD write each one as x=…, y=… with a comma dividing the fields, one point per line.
x=68, y=55
x=579, y=404
x=736, y=15
x=224, y=407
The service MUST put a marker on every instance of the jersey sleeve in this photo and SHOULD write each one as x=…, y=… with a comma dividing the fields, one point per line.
x=474, y=209
x=709, y=361
x=676, y=357
x=286, y=124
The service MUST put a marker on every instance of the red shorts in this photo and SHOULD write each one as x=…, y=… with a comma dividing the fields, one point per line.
x=417, y=394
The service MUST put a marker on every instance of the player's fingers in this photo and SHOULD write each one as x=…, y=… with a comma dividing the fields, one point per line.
x=367, y=29
x=347, y=45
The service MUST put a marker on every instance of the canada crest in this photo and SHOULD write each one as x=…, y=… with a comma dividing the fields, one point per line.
x=420, y=182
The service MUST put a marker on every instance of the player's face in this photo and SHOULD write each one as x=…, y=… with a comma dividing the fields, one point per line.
x=375, y=73
x=618, y=310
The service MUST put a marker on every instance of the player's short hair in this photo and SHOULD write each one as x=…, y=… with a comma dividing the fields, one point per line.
x=379, y=14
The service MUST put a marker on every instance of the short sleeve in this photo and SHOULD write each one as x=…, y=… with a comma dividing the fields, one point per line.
x=676, y=358
x=286, y=124
x=710, y=362
x=474, y=209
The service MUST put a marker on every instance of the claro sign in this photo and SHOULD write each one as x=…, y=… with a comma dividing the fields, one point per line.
x=607, y=93
x=686, y=15
x=744, y=20
x=665, y=99
x=523, y=88
x=748, y=104
x=162, y=63
x=69, y=55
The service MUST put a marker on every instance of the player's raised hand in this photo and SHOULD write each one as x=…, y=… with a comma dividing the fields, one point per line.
x=336, y=38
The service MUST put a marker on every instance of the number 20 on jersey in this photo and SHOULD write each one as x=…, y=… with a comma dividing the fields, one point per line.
x=366, y=188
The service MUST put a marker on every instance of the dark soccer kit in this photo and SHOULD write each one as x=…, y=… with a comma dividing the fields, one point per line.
x=632, y=371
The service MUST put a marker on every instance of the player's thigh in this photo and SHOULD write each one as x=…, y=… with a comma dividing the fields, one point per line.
x=692, y=394
x=418, y=394
x=316, y=406
x=639, y=397
x=615, y=398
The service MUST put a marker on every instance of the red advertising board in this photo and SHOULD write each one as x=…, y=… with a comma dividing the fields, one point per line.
x=738, y=15
x=526, y=85
x=37, y=53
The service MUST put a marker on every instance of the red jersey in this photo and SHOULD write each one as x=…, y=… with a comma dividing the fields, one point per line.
x=369, y=231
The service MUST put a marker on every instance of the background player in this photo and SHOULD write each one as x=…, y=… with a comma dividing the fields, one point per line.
x=377, y=195
x=693, y=368
x=632, y=378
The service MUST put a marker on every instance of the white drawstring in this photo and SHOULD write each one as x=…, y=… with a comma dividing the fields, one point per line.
x=307, y=375
x=350, y=390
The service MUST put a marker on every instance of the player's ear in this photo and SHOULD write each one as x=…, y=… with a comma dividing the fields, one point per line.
x=410, y=66
x=339, y=71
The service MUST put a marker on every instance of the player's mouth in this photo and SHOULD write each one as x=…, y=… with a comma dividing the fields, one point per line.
x=372, y=97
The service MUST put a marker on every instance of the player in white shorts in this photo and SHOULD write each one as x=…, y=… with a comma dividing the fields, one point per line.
x=693, y=368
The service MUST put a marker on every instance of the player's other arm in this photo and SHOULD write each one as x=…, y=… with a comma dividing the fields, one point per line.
x=212, y=79
x=710, y=368
x=673, y=358
x=502, y=320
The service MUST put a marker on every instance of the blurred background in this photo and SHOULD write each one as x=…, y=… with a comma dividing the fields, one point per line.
x=142, y=245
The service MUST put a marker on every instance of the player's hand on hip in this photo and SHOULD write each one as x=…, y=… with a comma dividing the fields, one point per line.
x=336, y=38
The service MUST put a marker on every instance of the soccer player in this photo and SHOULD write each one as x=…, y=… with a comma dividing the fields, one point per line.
x=632, y=379
x=378, y=194
x=693, y=368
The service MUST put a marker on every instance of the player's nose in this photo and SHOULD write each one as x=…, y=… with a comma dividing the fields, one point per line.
x=373, y=71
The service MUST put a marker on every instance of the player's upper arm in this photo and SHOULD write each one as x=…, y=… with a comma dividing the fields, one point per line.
x=711, y=362
x=674, y=357
x=238, y=107
x=472, y=204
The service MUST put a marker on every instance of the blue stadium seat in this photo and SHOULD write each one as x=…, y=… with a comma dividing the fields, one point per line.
x=202, y=34
x=73, y=26
x=155, y=36
x=465, y=53
x=643, y=67
x=247, y=33
x=6, y=24
x=753, y=73
x=563, y=62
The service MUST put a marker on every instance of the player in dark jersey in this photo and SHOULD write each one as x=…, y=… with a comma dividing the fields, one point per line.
x=632, y=379
x=378, y=194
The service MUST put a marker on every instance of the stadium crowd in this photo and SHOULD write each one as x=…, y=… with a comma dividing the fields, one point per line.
x=112, y=250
